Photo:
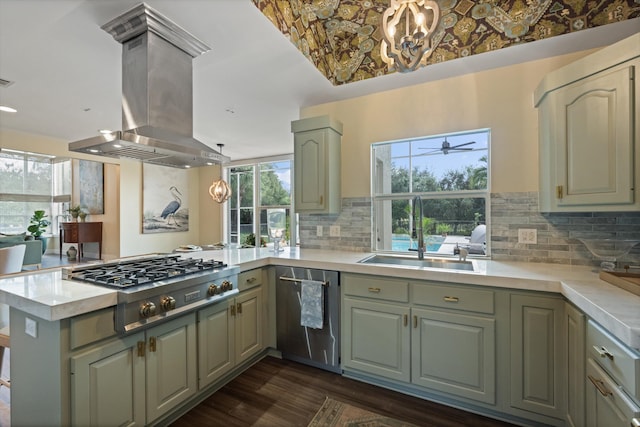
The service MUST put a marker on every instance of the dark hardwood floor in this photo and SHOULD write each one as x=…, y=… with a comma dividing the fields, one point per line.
x=282, y=393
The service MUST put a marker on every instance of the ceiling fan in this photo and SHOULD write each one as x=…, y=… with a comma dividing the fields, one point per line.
x=446, y=147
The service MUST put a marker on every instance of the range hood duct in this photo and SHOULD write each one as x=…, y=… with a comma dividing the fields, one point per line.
x=157, y=94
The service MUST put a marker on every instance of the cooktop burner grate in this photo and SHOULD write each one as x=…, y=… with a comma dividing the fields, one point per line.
x=148, y=270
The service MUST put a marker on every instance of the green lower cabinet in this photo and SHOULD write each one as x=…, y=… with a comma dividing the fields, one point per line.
x=134, y=380
x=454, y=353
x=537, y=345
x=376, y=338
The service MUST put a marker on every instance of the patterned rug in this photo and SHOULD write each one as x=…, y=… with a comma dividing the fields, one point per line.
x=339, y=414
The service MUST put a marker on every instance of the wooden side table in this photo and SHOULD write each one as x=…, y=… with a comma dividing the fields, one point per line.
x=81, y=233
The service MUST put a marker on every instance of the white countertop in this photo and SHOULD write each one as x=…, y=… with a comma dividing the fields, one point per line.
x=44, y=294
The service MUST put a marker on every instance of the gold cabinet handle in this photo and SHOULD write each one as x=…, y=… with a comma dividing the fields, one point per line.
x=233, y=309
x=239, y=308
x=141, y=347
x=559, y=191
x=406, y=320
x=321, y=199
x=374, y=290
x=603, y=352
x=415, y=321
x=451, y=299
x=152, y=344
x=600, y=386
x=251, y=279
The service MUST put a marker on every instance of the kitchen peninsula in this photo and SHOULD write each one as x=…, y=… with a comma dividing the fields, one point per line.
x=50, y=301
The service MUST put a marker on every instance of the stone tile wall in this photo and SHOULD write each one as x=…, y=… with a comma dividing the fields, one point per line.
x=355, y=227
x=557, y=232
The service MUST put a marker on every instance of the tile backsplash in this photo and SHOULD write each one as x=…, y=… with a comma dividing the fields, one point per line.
x=557, y=233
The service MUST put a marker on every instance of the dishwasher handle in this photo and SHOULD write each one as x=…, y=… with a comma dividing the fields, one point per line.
x=290, y=279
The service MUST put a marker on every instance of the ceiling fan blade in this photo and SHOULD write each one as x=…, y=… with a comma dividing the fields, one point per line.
x=455, y=147
x=433, y=150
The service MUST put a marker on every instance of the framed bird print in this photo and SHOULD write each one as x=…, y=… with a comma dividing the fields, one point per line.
x=165, y=199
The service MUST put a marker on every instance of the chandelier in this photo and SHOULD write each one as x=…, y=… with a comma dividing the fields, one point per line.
x=407, y=28
x=220, y=190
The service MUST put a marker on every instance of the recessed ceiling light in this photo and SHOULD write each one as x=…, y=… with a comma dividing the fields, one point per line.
x=187, y=166
x=93, y=150
x=105, y=131
x=8, y=109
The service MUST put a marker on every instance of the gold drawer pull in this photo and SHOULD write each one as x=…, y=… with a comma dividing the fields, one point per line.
x=415, y=321
x=251, y=279
x=451, y=299
x=600, y=386
x=374, y=290
x=603, y=352
x=406, y=320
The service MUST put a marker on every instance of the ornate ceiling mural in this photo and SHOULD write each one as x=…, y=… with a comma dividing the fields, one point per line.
x=342, y=37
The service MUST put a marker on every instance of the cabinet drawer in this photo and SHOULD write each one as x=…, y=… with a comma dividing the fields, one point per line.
x=91, y=327
x=622, y=363
x=249, y=279
x=453, y=297
x=375, y=287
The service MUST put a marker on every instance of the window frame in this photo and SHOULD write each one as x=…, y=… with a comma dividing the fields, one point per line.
x=56, y=202
x=256, y=206
x=428, y=195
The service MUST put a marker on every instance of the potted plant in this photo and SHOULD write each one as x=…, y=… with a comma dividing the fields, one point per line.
x=75, y=211
x=38, y=224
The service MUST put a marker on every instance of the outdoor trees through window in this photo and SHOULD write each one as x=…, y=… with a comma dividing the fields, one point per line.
x=451, y=175
x=258, y=187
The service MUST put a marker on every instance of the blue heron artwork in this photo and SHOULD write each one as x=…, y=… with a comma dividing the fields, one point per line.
x=165, y=199
x=170, y=210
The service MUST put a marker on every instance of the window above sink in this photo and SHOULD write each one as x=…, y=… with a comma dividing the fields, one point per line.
x=451, y=174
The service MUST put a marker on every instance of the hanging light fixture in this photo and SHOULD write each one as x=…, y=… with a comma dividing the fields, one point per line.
x=407, y=28
x=220, y=190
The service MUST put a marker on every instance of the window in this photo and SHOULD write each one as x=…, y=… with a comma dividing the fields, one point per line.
x=30, y=182
x=450, y=174
x=258, y=187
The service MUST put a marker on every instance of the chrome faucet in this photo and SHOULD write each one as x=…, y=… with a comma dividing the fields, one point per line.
x=417, y=200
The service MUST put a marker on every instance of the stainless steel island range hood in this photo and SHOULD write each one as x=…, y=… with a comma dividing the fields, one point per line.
x=157, y=94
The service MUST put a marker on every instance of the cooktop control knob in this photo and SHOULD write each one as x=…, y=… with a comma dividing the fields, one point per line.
x=214, y=290
x=147, y=309
x=168, y=303
x=226, y=286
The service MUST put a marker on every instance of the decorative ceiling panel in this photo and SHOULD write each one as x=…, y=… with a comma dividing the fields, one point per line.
x=342, y=37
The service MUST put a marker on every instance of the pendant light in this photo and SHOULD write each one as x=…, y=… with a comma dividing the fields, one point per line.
x=220, y=190
x=407, y=28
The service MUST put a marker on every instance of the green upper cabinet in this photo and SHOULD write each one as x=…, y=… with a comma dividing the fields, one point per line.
x=589, y=131
x=317, y=165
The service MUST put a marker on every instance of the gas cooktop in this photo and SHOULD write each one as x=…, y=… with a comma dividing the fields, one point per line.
x=124, y=274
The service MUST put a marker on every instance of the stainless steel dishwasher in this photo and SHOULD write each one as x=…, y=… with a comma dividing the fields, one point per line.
x=311, y=346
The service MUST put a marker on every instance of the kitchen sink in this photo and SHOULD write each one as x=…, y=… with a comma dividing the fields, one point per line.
x=447, y=264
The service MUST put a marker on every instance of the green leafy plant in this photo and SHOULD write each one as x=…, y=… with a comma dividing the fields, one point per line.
x=75, y=211
x=38, y=223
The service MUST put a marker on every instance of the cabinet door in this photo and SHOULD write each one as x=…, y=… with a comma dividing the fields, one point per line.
x=215, y=342
x=594, y=140
x=310, y=165
x=536, y=341
x=376, y=338
x=575, y=324
x=108, y=384
x=454, y=353
x=171, y=365
x=248, y=333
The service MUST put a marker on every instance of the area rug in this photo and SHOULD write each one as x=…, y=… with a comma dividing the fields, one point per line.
x=338, y=414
